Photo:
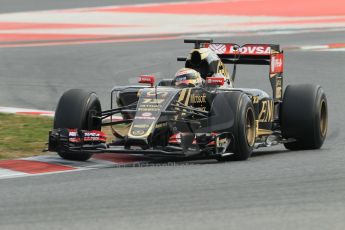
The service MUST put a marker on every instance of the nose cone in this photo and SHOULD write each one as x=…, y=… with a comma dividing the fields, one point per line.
x=151, y=103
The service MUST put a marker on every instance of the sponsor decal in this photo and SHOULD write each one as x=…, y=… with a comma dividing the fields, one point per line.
x=235, y=49
x=266, y=112
x=94, y=135
x=197, y=99
x=152, y=101
x=277, y=63
x=146, y=114
x=254, y=50
x=72, y=133
x=175, y=139
x=144, y=118
x=157, y=94
x=138, y=132
x=141, y=126
x=73, y=136
x=147, y=79
x=184, y=72
x=279, y=87
x=74, y=140
x=154, y=106
x=91, y=135
x=161, y=125
x=218, y=48
x=148, y=109
x=94, y=139
x=255, y=99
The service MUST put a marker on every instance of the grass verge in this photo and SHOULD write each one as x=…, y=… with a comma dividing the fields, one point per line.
x=23, y=135
x=27, y=135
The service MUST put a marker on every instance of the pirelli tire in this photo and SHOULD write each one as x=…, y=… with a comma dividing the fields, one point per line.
x=243, y=128
x=73, y=111
x=304, y=116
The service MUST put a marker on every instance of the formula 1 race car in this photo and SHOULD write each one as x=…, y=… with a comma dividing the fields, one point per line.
x=212, y=119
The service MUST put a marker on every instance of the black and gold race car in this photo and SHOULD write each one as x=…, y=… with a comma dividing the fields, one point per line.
x=212, y=119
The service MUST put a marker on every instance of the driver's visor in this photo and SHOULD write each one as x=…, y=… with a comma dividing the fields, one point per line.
x=186, y=78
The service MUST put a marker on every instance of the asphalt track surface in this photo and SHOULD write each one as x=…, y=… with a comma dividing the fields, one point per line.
x=275, y=189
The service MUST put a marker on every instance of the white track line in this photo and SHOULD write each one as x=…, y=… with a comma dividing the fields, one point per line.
x=6, y=173
x=26, y=111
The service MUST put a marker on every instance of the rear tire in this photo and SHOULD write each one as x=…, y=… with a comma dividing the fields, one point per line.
x=243, y=130
x=304, y=116
x=73, y=111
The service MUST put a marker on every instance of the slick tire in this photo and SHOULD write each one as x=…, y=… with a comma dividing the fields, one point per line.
x=304, y=116
x=73, y=111
x=243, y=130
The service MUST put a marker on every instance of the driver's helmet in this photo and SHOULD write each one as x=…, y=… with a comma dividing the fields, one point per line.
x=186, y=77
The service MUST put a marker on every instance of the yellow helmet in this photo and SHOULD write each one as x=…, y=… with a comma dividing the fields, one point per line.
x=186, y=77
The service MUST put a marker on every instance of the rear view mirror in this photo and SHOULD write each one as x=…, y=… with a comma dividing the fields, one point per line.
x=215, y=81
x=147, y=79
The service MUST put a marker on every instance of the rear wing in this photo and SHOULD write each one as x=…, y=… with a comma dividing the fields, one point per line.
x=249, y=54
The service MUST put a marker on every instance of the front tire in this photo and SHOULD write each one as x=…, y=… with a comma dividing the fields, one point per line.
x=304, y=116
x=243, y=130
x=73, y=111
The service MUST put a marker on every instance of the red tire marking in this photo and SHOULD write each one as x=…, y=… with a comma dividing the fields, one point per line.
x=33, y=167
x=287, y=8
